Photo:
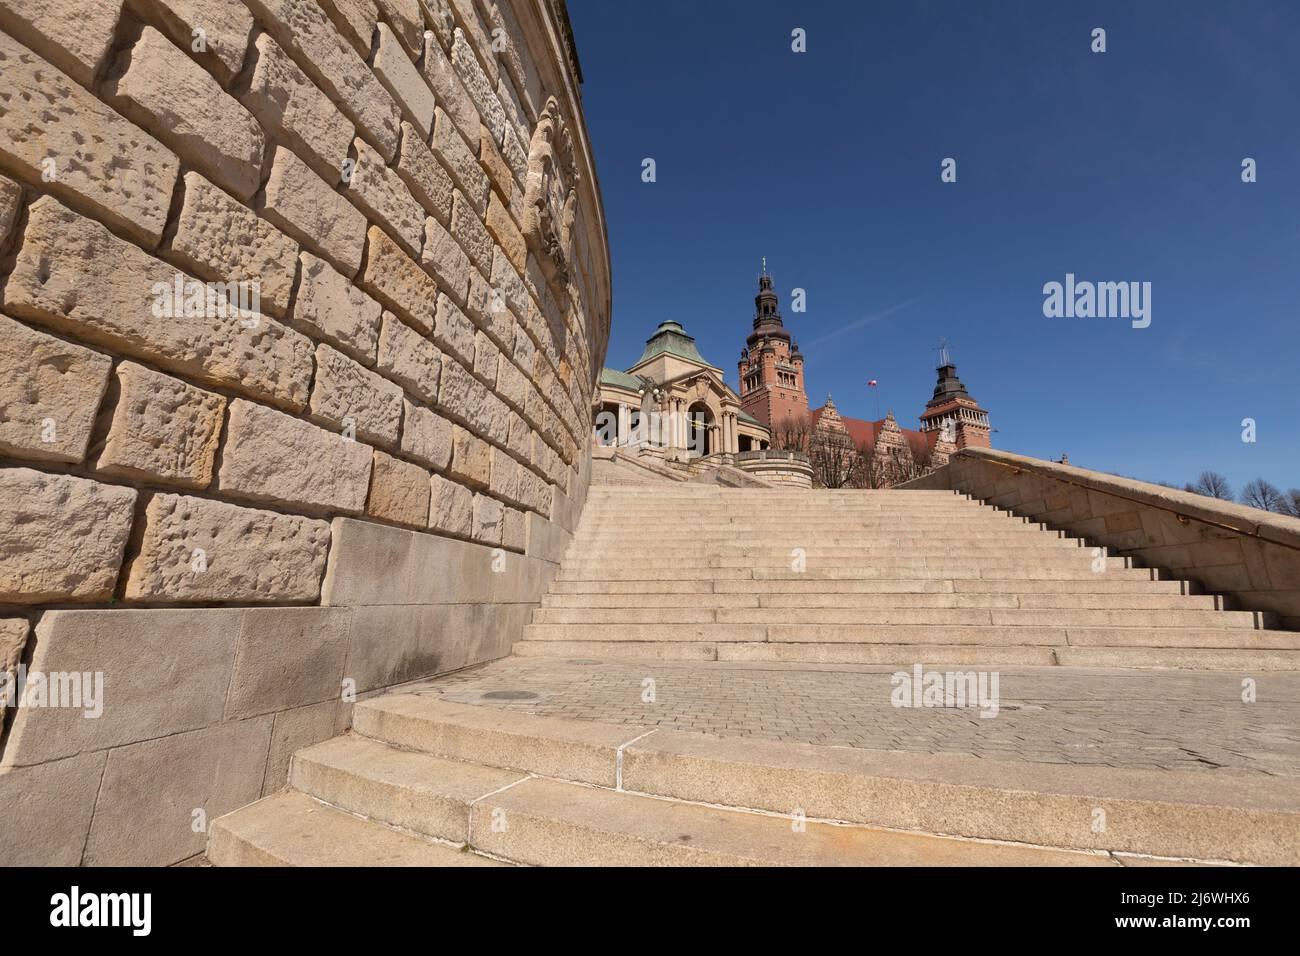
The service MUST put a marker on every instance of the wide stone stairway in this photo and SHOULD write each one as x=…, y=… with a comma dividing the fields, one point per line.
x=673, y=699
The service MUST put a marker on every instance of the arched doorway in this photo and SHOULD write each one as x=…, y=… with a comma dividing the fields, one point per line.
x=606, y=425
x=699, y=430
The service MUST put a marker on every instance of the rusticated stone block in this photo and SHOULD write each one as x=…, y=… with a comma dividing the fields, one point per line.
x=466, y=399
x=356, y=20
x=486, y=359
x=346, y=392
x=494, y=164
x=300, y=203
x=50, y=391
x=144, y=813
x=408, y=22
x=426, y=437
x=11, y=197
x=187, y=653
x=514, y=530
x=520, y=440
x=64, y=537
x=225, y=29
x=453, y=331
x=488, y=517
x=381, y=194
x=306, y=33
x=287, y=657
x=13, y=639
x=398, y=282
x=512, y=384
x=75, y=276
x=428, y=181
x=480, y=85
x=163, y=90
x=329, y=305
x=471, y=234
x=273, y=457
x=399, y=492
x=400, y=77
x=409, y=358
x=162, y=429
x=445, y=259
x=460, y=161
x=73, y=35
x=451, y=507
x=290, y=105
x=506, y=280
x=505, y=476
x=220, y=240
x=506, y=233
x=195, y=550
x=471, y=458
x=452, y=98
x=100, y=161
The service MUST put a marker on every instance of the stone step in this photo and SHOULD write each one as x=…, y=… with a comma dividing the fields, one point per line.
x=866, y=548
x=1110, y=602
x=986, y=635
x=1017, y=558
x=905, y=655
x=932, y=616
x=1246, y=818
x=816, y=586
x=521, y=818
x=292, y=829
x=1043, y=571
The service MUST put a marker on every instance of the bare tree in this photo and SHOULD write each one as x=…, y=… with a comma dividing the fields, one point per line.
x=1260, y=494
x=1213, y=485
x=1290, y=504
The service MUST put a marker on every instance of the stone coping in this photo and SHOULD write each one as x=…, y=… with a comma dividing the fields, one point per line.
x=1278, y=529
x=769, y=454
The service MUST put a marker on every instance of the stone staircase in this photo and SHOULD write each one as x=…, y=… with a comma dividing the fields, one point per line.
x=424, y=782
x=699, y=572
x=684, y=571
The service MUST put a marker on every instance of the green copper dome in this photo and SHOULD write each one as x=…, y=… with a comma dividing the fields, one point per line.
x=671, y=338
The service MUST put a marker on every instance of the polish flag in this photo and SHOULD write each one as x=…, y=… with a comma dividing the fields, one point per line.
x=872, y=383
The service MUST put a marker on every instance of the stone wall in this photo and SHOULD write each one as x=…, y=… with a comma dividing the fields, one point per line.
x=1228, y=548
x=242, y=518
x=789, y=468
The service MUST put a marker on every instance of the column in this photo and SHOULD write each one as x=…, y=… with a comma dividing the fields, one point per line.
x=624, y=425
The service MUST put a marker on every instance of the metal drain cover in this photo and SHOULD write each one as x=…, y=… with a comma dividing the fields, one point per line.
x=510, y=695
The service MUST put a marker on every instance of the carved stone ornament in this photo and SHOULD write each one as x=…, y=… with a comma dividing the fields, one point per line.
x=550, y=197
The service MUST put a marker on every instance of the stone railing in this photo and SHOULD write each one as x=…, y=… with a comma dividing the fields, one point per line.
x=1228, y=548
x=790, y=468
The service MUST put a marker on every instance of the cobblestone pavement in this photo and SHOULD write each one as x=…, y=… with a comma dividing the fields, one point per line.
x=1176, y=720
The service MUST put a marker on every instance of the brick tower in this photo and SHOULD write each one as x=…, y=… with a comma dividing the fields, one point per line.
x=771, y=368
x=952, y=406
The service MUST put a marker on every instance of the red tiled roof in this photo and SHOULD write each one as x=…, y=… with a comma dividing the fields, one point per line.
x=864, y=433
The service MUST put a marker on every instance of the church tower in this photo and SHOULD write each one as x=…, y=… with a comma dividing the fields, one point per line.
x=770, y=367
x=952, y=414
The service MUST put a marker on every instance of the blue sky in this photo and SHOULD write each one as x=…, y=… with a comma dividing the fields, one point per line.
x=1115, y=166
